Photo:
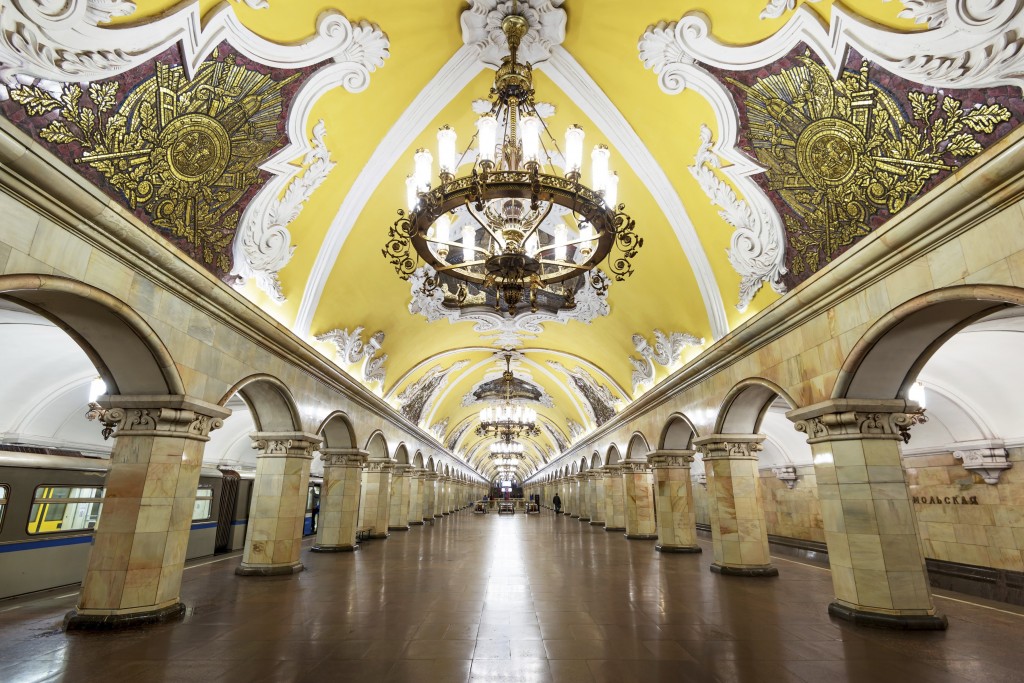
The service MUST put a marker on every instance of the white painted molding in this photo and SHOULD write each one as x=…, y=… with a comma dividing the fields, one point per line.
x=576, y=83
x=63, y=41
x=455, y=75
x=481, y=29
x=262, y=245
x=665, y=352
x=968, y=44
x=758, y=247
x=352, y=351
x=776, y=8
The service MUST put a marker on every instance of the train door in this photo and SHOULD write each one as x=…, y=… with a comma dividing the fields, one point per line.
x=226, y=512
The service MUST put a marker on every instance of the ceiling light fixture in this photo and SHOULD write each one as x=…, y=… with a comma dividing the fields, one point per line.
x=507, y=421
x=514, y=226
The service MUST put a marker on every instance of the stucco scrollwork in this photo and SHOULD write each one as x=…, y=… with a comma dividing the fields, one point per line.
x=758, y=247
x=776, y=8
x=263, y=245
x=853, y=424
x=168, y=422
x=352, y=350
x=481, y=28
x=665, y=352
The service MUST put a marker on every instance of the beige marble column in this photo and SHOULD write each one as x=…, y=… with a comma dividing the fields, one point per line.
x=739, y=535
x=339, y=500
x=592, y=478
x=138, y=551
x=574, y=496
x=444, y=486
x=597, y=517
x=375, y=507
x=416, y=481
x=398, y=516
x=874, y=548
x=638, y=491
x=273, y=536
x=583, y=487
x=614, y=499
x=438, y=505
x=429, y=495
x=673, y=501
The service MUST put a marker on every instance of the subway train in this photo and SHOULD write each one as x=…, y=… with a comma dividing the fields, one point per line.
x=51, y=500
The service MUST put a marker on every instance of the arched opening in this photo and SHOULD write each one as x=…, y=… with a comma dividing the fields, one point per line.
x=678, y=434
x=417, y=460
x=258, y=403
x=402, y=455
x=596, y=461
x=746, y=404
x=337, y=431
x=613, y=455
x=377, y=446
x=638, y=448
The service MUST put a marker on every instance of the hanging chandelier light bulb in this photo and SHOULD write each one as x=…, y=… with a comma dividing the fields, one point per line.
x=508, y=421
x=513, y=248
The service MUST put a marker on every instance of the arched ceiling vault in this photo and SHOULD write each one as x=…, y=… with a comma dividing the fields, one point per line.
x=377, y=79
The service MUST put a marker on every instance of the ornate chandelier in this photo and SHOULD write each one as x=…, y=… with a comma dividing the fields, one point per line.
x=507, y=452
x=514, y=227
x=508, y=421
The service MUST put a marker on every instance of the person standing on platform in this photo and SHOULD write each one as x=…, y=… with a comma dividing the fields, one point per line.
x=557, y=502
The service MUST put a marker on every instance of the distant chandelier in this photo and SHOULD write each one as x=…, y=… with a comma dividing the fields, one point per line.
x=507, y=421
x=510, y=245
x=507, y=452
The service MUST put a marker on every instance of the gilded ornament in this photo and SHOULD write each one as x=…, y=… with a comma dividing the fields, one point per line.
x=841, y=151
x=183, y=150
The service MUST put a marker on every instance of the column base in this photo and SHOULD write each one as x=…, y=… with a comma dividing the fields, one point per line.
x=419, y=523
x=726, y=570
x=678, y=548
x=334, y=548
x=593, y=523
x=438, y=516
x=615, y=528
x=584, y=519
x=398, y=528
x=79, y=621
x=376, y=535
x=641, y=537
x=274, y=570
x=900, y=622
x=444, y=514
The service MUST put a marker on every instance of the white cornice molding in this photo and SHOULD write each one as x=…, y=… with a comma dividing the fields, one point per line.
x=455, y=75
x=63, y=41
x=576, y=83
x=970, y=45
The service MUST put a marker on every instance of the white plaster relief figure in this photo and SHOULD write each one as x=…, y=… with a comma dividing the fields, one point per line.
x=263, y=245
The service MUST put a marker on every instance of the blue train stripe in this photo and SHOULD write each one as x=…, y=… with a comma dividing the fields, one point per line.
x=204, y=525
x=239, y=522
x=48, y=543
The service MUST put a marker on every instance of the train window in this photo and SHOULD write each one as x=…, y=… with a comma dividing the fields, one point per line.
x=203, y=507
x=313, y=497
x=64, y=508
x=5, y=491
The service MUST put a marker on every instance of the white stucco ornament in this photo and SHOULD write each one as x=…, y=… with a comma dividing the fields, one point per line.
x=665, y=352
x=353, y=351
x=481, y=29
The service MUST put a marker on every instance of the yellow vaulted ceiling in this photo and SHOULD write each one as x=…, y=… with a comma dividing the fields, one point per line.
x=362, y=289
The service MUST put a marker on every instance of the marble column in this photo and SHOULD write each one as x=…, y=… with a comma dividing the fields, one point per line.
x=874, y=548
x=273, y=536
x=583, y=486
x=614, y=499
x=638, y=491
x=138, y=550
x=339, y=500
x=398, y=516
x=597, y=517
x=438, y=505
x=416, y=482
x=429, y=495
x=376, y=498
x=574, y=496
x=592, y=478
x=673, y=501
x=739, y=535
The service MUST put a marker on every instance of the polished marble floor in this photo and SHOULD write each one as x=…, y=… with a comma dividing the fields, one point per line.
x=489, y=598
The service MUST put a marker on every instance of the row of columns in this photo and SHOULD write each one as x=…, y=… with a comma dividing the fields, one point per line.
x=135, y=566
x=878, y=567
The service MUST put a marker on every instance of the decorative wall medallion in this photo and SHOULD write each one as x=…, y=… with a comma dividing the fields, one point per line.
x=352, y=350
x=598, y=400
x=758, y=249
x=665, y=352
x=506, y=332
x=417, y=398
x=182, y=151
x=481, y=28
x=842, y=154
x=263, y=243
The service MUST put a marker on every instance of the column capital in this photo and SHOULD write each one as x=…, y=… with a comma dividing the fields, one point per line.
x=285, y=444
x=375, y=465
x=432, y=476
x=666, y=459
x=176, y=416
x=401, y=469
x=730, y=446
x=635, y=465
x=343, y=457
x=843, y=419
x=612, y=470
